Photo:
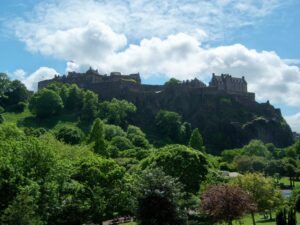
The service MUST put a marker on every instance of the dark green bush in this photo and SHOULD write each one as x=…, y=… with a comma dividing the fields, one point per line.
x=20, y=107
x=122, y=143
x=1, y=119
x=70, y=135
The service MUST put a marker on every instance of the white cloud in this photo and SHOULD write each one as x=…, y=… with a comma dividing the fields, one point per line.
x=294, y=122
x=292, y=61
x=19, y=74
x=32, y=80
x=72, y=66
x=143, y=18
x=85, y=44
x=183, y=57
x=168, y=38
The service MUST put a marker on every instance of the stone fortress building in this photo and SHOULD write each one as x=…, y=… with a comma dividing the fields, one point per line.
x=116, y=85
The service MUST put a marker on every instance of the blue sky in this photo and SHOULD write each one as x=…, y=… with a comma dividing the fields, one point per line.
x=258, y=39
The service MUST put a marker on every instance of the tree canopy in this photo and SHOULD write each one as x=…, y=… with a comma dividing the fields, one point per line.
x=189, y=166
x=45, y=103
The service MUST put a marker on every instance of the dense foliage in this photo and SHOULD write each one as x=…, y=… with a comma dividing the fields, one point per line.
x=69, y=158
x=159, y=199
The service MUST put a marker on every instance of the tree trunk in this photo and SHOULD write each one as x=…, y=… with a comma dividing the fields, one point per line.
x=229, y=222
x=271, y=215
x=253, y=218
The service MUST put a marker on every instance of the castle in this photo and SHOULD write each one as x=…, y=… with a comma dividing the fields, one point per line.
x=117, y=85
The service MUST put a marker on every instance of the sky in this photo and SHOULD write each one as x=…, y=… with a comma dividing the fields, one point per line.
x=258, y=39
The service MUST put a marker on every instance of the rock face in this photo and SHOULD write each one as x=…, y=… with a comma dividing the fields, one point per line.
x=224, y=120
x=226, y=114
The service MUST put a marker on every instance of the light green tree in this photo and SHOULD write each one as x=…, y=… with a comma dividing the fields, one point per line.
x=263, y=191
x=196, y=140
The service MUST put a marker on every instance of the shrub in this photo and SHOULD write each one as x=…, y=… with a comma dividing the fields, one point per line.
x=122, y=143
x=20, y=107
x=1, y=119
x=35, y=132
x=112, y=131
x=70, y=135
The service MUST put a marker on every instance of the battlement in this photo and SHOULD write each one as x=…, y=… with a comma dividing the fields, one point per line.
x=116, y=84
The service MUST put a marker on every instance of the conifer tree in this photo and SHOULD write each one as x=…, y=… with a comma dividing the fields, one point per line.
x=281, y=217
x=196, y=140
x=97, y=136
x=292, y=217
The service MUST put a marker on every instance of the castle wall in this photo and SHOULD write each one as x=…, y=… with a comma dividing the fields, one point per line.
x=129, y=86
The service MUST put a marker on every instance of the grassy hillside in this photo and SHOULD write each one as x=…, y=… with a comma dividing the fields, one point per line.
x=27, y=119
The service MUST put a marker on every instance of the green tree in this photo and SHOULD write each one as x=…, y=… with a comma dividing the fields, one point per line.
x=106, y=190
x=173, y=81
x=1, y=119
x=75, y=98
x=169, y=124
x=188, y=165
x=45, y=103
x=159, y=199
x=90, y=106
x=4, y=85
x=262, y=190
x=117, y=111
x=256, y=147
x=17, y=92
x=97, y=137
x=22, y=210
x=196, y=140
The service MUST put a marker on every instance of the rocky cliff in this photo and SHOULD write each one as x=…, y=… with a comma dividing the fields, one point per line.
x=226, y=121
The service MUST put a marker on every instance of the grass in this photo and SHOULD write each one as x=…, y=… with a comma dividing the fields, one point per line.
x=286, y=181
x=247, y=220
x=27, y=119
x=12, y=117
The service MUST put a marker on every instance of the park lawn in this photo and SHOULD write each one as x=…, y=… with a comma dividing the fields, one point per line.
x=286, y=181
x=247, y=220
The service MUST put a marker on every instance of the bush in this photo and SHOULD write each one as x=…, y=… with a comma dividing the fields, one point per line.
x=20, y=107
x=140, y=141
x=1, y=119
x=122, y=143
x=112, y=131
x=70, y=135
x=1, y=109
x=34, y=132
